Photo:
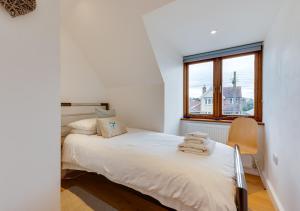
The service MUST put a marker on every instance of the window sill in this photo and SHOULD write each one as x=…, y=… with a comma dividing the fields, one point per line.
x=212, y=120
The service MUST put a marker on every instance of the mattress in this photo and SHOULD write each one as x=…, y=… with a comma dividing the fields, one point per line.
x=150, y=163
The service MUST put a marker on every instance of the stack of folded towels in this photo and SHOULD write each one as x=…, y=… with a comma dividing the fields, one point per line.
x=197, y=143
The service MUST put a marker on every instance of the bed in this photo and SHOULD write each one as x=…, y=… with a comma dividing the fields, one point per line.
x=149, y=162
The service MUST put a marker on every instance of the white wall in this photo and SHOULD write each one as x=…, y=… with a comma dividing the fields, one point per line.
x=281, y=107
x=170, y=64
x=29, y=90
x=139, y=106
x=78, y=80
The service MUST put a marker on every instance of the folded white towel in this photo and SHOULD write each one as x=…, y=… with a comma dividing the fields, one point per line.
x=196, y=135
x=195, y=140
x=207, y=147
x=203, y=146
x=194, y=151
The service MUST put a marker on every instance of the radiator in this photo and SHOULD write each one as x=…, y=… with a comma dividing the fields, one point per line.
x=217, y=132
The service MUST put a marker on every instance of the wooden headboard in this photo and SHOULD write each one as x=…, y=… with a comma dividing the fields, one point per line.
x=76, y=111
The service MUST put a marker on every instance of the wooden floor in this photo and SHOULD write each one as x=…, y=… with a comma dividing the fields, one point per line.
x=259, y=199
x=125, y=199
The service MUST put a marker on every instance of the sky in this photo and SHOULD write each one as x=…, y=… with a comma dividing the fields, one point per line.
x=202, y=74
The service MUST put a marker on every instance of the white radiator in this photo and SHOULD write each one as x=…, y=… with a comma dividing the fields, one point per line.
x=217, y=132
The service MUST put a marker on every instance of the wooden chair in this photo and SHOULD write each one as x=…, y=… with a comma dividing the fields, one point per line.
x=244, y=133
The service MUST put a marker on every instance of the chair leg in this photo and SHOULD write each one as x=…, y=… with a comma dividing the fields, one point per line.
x=259, y=172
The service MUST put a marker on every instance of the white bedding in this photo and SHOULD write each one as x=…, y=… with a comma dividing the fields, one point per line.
x=150, y=163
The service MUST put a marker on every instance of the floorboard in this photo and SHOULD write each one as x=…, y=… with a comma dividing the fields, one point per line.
x=125, y=199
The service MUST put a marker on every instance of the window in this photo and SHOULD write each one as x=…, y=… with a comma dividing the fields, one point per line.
x=208, y=101
x=201, y=88
x=238, y=83
x=224, y=88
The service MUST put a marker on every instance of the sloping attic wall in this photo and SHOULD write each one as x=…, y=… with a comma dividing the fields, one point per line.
x=111, y=35
x=183, y=28
x=170, y=63
x=78, y=80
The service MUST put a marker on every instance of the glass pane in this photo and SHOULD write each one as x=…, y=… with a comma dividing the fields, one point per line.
x=201, y=88
x=238, y=85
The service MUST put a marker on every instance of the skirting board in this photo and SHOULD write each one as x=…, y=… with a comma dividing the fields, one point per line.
x=274, y=198
x=251, y=171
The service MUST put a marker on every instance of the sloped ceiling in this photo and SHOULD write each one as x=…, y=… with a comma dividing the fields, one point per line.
x=112, y=37
x=186, y=24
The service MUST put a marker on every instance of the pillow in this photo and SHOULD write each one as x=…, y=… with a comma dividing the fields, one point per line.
x=102, y=113
x=110, y=127
x=84, y=126
x=84, y=132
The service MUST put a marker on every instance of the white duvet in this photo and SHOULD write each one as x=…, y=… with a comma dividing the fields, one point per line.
x=150, y=163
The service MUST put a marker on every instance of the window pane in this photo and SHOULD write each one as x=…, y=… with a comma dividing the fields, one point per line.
x=238, y=85
x=201, y=88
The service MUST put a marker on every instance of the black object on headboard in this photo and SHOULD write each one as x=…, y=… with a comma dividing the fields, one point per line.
x=66, y=104
x=106, y=105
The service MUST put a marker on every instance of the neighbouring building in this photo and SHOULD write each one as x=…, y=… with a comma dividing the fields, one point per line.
x=233, y=101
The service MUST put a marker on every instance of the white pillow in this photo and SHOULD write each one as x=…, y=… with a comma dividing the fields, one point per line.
x=84, y=126
x=84, y=132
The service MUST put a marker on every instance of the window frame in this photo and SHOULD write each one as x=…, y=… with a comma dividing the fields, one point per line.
x=217, y=88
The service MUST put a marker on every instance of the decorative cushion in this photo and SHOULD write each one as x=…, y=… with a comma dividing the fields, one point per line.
x=102, y=113
x=110, y=127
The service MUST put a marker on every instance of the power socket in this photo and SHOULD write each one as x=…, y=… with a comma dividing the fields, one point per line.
x=275, y=159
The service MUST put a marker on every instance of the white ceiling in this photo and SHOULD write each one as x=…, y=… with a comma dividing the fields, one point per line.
x=186, y=24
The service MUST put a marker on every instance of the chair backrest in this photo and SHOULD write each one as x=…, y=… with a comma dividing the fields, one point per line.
x=244, y=132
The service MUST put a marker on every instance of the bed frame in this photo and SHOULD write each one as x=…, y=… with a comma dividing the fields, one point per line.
x=241, y=196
